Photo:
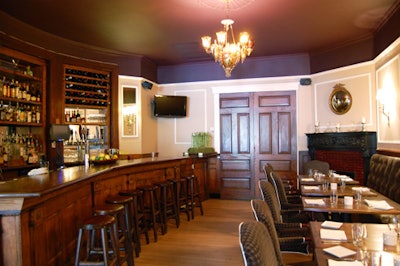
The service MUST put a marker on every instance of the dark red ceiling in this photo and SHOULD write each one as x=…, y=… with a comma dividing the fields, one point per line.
x=168, y=31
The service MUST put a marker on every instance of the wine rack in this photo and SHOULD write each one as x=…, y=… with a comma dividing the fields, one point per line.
x=87, y=92
x=86, y=87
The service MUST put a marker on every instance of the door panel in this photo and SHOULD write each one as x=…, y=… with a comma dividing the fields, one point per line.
x=256, y=128
x=236, y=153
x=275, y=133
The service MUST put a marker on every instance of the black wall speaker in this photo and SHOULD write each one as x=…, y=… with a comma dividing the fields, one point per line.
x=305, y=81
x=147, y=85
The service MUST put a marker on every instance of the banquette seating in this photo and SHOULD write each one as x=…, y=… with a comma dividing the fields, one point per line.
x=384, y=175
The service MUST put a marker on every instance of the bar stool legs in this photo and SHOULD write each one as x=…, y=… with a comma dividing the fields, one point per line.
x=182, y=196
x=138, y=221
x=123, y=229
x=169, y=206
x=127, y=202
x=193, y=193
x=108, y=251
x=152, y=208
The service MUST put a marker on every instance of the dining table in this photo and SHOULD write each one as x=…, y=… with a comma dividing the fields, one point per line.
x=312, y=181
x=330, y=249
x=342, y=191
x=375, y=205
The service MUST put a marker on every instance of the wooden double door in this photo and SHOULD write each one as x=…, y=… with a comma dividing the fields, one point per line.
x=256, y=128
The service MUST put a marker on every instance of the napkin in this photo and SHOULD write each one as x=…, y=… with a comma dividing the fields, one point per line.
x=344, y=263
x=342, y=177
x=328, y=234
x=311, y=187
x=38, y=171
x=331, y=225
x=378, y=204
x=339, y=251
x=362, y=189
x=307, y=179
x=314, y=201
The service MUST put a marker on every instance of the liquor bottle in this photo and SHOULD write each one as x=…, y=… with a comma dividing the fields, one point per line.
x=23, y=91
x=33, y=114
x=67, y=116
x=17, y=113
x=73, y=117
x=29, y=114
x=10, y=112
x=28, y=93
x=2, y=112
x=12, y=89
x=17, y=90
x=78, y=116
x=38, y=115
x=38, y=96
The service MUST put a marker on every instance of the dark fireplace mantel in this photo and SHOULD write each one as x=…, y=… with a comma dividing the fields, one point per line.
x=323, y=145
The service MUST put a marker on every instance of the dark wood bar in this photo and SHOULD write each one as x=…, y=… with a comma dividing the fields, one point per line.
x=40, y=214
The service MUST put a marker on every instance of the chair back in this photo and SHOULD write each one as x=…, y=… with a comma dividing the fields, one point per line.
x=269, y=196
x=257, y=245
x=279, y=189
x=267, y=171
x=263, y=215
x=321, y=166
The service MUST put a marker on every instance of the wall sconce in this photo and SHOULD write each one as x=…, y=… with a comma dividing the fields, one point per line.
x=381, y=99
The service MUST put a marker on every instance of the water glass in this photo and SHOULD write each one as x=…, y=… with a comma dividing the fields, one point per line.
x=343, y=184
x=375, y=258
x=357, y=233
x=310, y=172
x=358, y=196
x=325, y=184
x=334, y=197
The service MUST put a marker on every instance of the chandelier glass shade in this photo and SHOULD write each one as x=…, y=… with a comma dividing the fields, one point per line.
x=228, y=53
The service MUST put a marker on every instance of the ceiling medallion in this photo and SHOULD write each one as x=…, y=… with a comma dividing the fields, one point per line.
x=221, y=4
x=226, y=53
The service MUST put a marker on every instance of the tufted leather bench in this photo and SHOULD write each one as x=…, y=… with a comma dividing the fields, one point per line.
x=384, y=175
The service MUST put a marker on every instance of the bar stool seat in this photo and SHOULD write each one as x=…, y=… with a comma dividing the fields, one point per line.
x=169, y=205
x=108, y=253
x=152, y=209
x=123, y=232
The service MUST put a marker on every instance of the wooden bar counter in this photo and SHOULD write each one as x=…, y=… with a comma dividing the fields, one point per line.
x=40, y=215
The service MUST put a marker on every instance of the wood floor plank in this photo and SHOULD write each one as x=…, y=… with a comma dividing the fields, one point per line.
x=209, y=240
x=212, y=239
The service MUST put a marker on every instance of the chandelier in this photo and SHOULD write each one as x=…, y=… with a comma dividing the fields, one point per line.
x=226, y=53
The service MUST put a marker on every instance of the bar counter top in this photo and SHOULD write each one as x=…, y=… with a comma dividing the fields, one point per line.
x=39, y=185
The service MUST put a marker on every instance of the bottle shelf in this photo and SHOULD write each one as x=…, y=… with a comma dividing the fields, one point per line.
x=22, y=97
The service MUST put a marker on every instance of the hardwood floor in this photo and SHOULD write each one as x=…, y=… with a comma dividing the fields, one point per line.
x=210, y=240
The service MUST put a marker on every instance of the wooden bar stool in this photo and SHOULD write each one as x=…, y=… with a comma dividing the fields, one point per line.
x=138, y=219
x=169, y=205
x=193, y=193
x=108, y=253
x=123, y=234
x=152, y=209
x=182, y=199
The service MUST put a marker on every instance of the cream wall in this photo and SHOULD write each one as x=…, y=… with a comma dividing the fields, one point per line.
x=146, y=139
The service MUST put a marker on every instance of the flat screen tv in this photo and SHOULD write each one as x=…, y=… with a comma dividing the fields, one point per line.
x=170, y=106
